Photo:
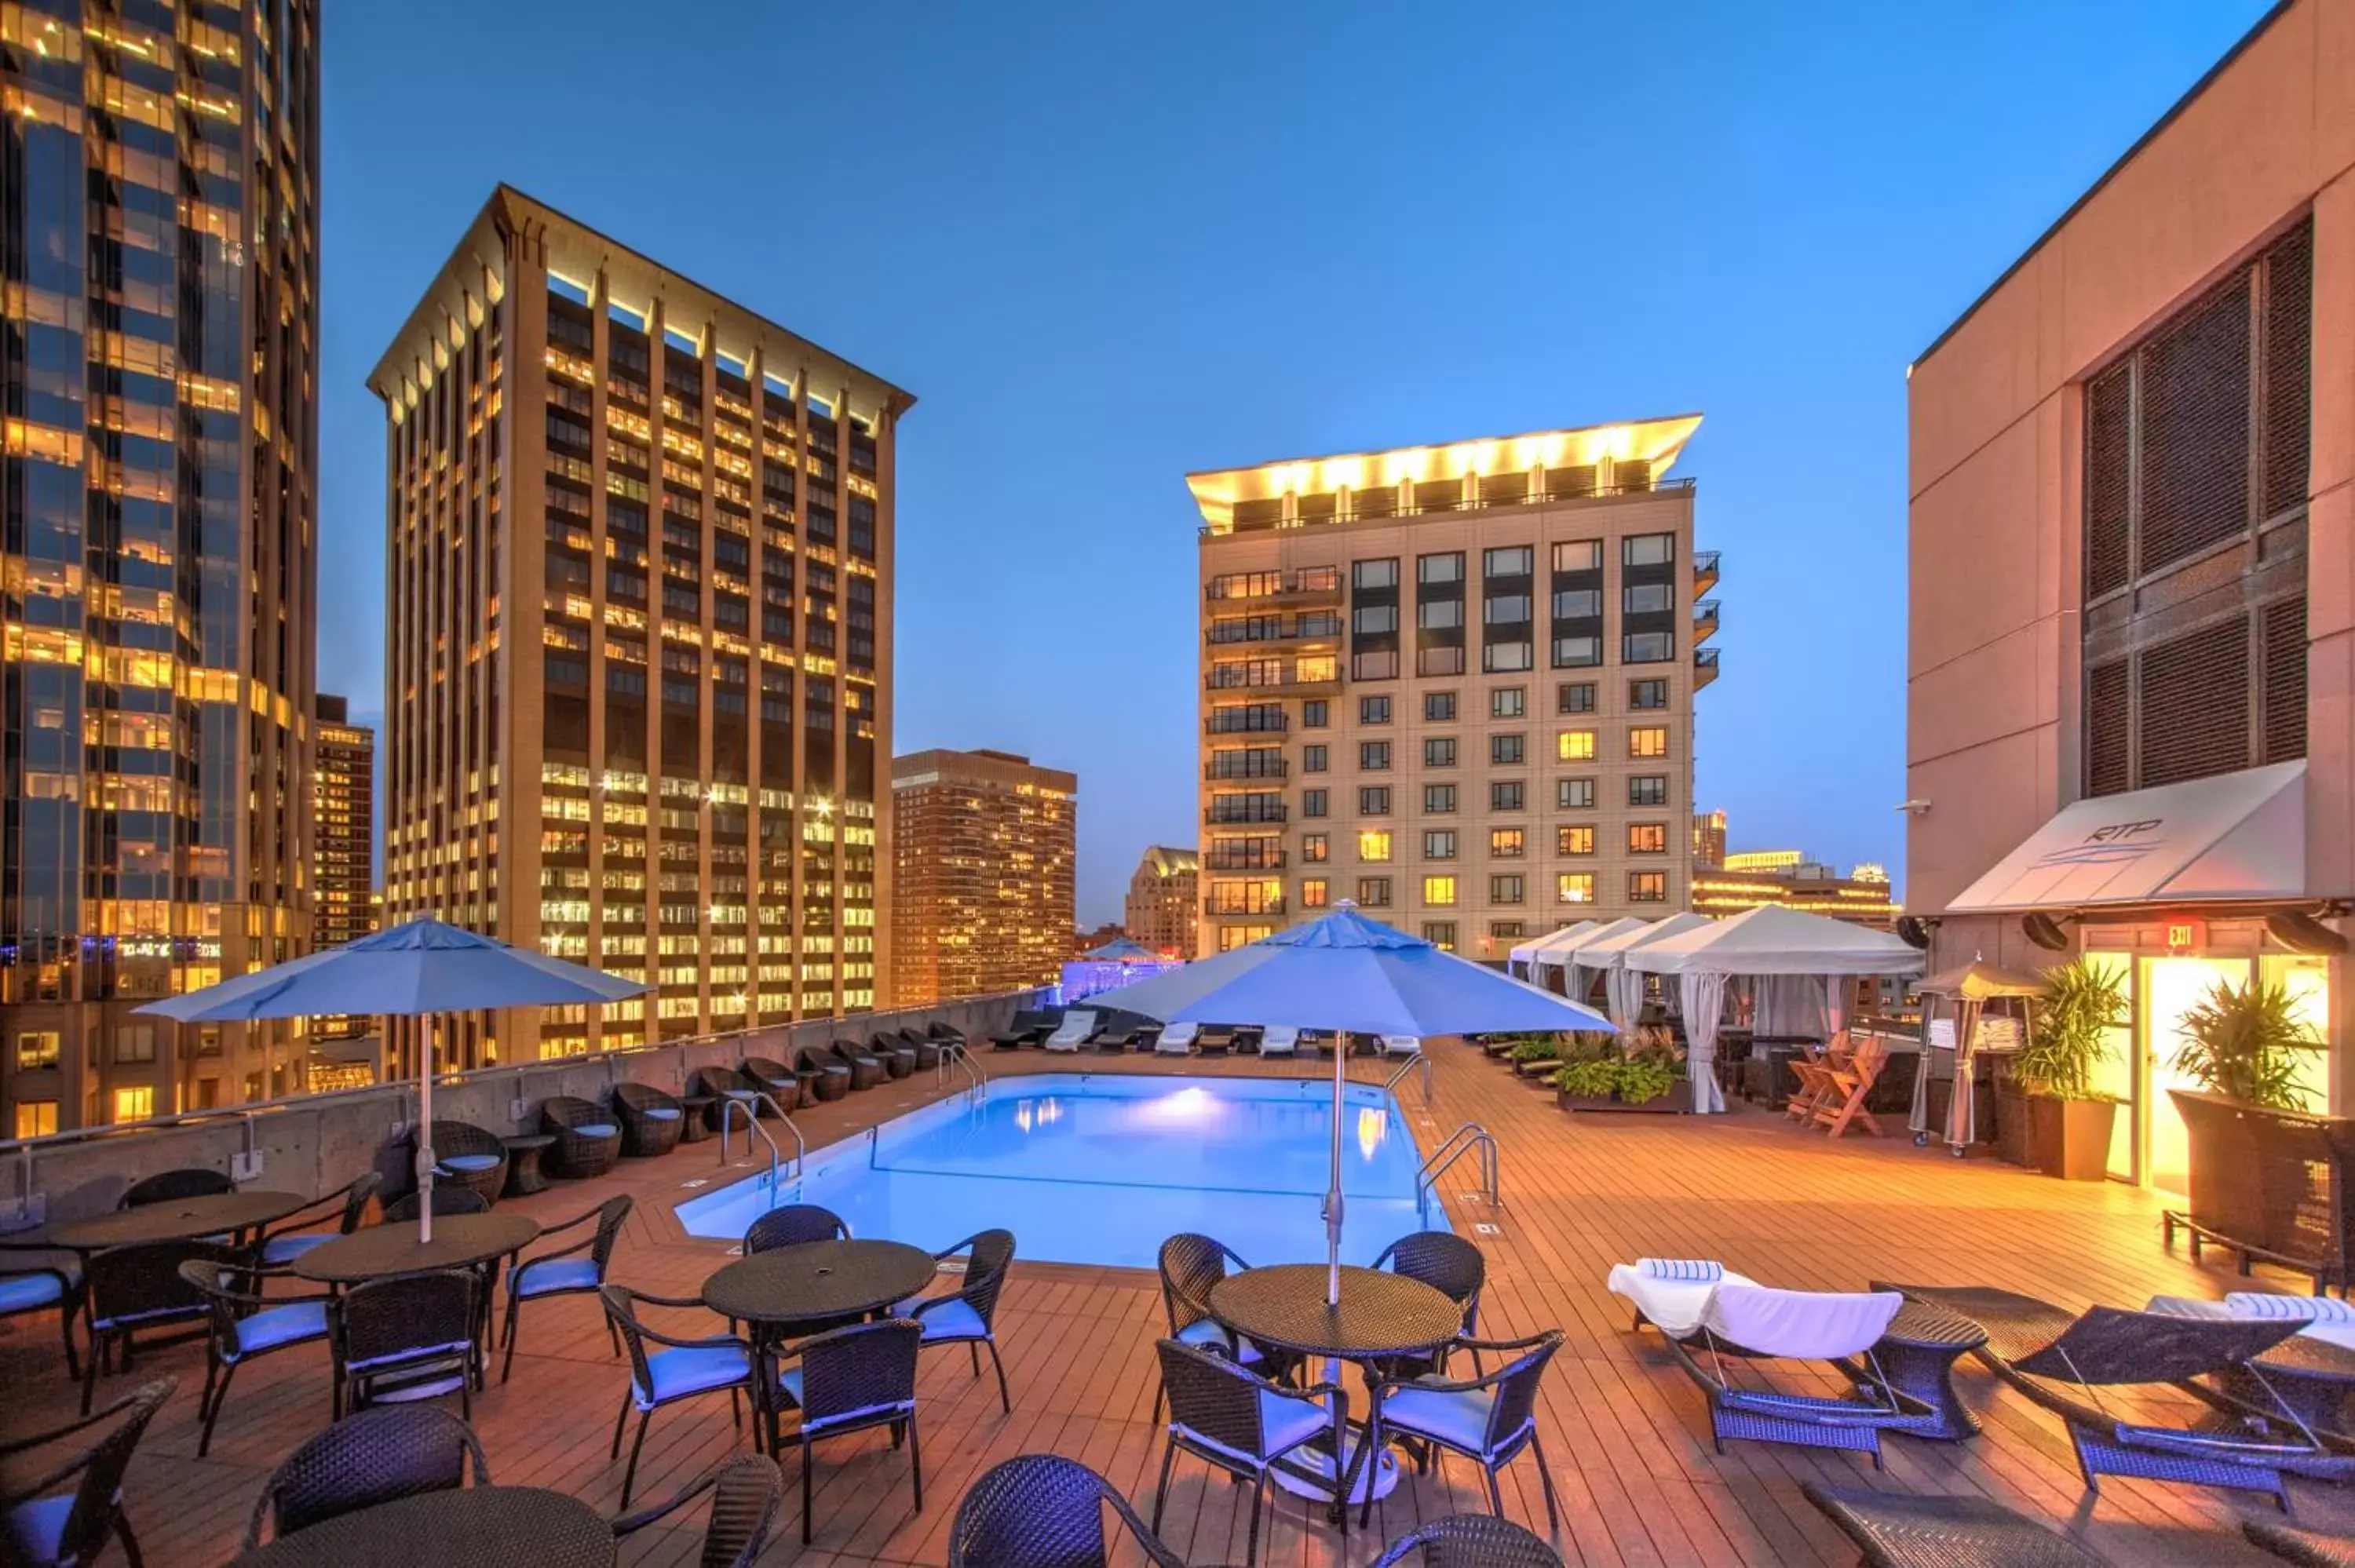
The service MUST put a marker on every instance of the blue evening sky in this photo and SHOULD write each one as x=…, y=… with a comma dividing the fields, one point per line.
x=1107, y=244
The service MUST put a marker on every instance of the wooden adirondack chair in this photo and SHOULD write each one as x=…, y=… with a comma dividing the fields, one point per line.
x=1849, y=1082
x=1814, y=1073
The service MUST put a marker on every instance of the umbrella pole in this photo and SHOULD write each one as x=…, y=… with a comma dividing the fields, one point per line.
x=1333, y=1194
x=425, y=1132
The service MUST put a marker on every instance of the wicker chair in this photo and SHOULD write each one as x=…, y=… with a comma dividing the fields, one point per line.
x=651, y=1120
x=1469, y=1541
x=745, y=1494
x=52, y=1285
x=376, y=1457
x=898, y=1058
x=794, y=1225
x=1239, y=1423
x=246, y=1326
x=41, y=1525
x=776, y=1080
x=681, y=1369
x=853, y=1379
x=2309, y=1548
x=131, y=1290
x=1489, y=1419
x=290, y=1241
x=1042, y=1510
x=588, y=1140
x=965, y=1317
x=577, y=1268
x=411, y=1337
x=929, y=1050
x=867, y=1068
x=471, y=1157
x=447, y=1201
x=1900, y=1529
x=1190, y=1265
x=823, y=1075
x=171, y=1186
x=1449, y=1265
x=719, y=1086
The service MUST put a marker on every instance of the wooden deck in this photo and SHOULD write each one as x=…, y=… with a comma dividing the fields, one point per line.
x=1626, y=1432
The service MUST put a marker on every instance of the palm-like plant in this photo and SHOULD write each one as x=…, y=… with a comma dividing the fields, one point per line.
x=2081, y=1001
x=2243, y=1043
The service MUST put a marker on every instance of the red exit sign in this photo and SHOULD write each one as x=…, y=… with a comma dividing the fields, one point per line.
x=2182, y=936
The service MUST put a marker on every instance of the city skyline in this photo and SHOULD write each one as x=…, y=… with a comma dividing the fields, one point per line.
x=1076, y=307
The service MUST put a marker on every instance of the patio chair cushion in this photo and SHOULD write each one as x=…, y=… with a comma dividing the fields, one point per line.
x=684, y=1371
x=1673, y=1305
x=952, y=1319
x=1208, y=1331
x=1287, y=1421
x=470, y=1161
x=790, y=1381
x=1456, y=1418
x=660, y=1113
x=2303, y=1308
x=595, y=1130
x=27, y=1292
x=275, y=1326
x=2339, y=1333
x=413, y=1353
x=553, y=1274
x=38, y=1528
x=286, y=1249
x=1805, y=1325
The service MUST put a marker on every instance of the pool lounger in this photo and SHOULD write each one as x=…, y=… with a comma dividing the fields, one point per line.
x=1078, y=1025
x=1175, y=1040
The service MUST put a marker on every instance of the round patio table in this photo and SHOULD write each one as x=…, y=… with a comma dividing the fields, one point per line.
x=178, y=1219
x=1379, y=1315
x=816, y=1283
x=512, y=1526
x=379, y=1252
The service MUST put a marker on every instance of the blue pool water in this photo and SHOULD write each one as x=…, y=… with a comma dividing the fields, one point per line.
x=1101, y=1169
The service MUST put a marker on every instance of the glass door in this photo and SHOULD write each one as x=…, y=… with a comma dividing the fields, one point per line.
x=2170, y=987
x=2115, y=1075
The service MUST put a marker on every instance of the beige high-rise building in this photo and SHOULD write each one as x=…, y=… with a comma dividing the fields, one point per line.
x=1454, y=684
x=1165, y=900
x=638, y=643
x=983, y=856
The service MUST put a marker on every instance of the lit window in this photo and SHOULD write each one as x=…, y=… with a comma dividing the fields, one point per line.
x=1647, y=838
x=36, y=1048
x=134, y=1104
x=35, y=1118
x=1575, y=745
x=1313, y=848
x=1652, y=740
x=1647, y=886
x=1374, y=846
x=1438, y=891
x=1575, y=887
x=1312, y=893
x=1573, y=841
x=1506, y=844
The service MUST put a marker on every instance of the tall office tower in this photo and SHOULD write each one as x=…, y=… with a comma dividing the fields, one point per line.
x=1453, y=683
x=638, y=662
x=1165, y=900
x=343, y=833
x=1708, y=839
x=981, y=889
x=159, y=267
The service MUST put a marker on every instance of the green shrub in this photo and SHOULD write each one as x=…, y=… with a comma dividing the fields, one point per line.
x=1594, y=1078
x=2243, y=1043
x=1643, y=1081
x=1536, y=1048
x=2068, y=1025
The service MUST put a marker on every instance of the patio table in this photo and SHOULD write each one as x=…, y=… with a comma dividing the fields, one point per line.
x=816, y=1286
x=511, y=1526
x=180, y=1219
x=1917, y=1354
x=523, y=1175
x=379, y=1252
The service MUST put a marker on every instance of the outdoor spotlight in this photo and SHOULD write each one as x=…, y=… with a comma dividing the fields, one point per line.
x=2302, y=933
x=2045, y=931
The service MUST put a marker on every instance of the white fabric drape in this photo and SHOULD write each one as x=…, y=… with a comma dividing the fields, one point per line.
x=1703, y=994
x=1624, y=988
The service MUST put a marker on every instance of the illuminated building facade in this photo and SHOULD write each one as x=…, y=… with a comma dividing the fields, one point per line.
x=1751, y=877
x=1709, y=840
x=984, y=857
x=343, y=831
x=1453, y=683
x=159, y=194
x=1165, y=900
x=638, y=672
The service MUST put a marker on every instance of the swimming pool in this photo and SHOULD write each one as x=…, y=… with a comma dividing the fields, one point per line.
x=1100, y=1168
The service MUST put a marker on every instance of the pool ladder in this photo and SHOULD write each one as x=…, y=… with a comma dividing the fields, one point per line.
x=1470, y=1138
x=745, y=1103
x=960, y=1058
x=1418, y=1060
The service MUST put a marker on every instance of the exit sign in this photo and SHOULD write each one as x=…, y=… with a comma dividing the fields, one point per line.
x=2182, y=936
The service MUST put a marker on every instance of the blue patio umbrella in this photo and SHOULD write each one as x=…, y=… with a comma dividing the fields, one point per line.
x=1344, y=971
x=421, y=967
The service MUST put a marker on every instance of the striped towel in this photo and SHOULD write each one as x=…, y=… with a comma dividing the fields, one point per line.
x=2292, y=1309
x=1694, y=1270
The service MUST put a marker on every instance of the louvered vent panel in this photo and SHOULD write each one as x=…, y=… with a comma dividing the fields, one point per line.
x=1503, y=489
x=2289, y=368
x=1578, y=480
x=1253, y=515
x=1632, y=473
x=2195, y=428
x=2106, y=753
x=2109, y=418
x=1318, y=508
x=2285, y=632
x=1375, y=500
x=2195, y=704
x=1439, y=494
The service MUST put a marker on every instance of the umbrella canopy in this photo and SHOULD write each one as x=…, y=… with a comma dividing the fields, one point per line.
x=1773, y=940
x=1978, y=980
x=1122, y=950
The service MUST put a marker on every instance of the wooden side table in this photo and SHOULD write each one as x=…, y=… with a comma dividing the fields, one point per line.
x=524, y=1176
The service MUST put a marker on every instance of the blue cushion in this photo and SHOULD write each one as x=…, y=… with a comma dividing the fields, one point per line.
x=597, y=1129
x=275, y=1326
x=557, y=1274
x=953, y=1319
x=287, y=1248
x=1209, y=1331
x=660, y=1113
x=1460, y=1420
x=683, y=1372
x=472, y=1162
x=1287, y=1421
x=789, y=1380
x=39, y=1527
x=24, y=1292
x=414, y=1354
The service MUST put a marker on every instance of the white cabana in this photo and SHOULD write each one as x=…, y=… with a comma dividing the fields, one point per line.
x=1519, y=963
x=1623, y=987
x=1564, y=956
x=1763, y=943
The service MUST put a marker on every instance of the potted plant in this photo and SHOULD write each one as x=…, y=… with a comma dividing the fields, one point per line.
x=2068, y=1120
x=1586, y=1085
x=1530, y=1056
x=1607, y=1080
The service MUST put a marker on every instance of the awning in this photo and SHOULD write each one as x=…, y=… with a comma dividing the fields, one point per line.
x=2237, y=837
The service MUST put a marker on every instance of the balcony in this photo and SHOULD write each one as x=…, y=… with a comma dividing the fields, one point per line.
x=1218, y=910
x=1587, y=491
x=1320, y=585
x=1292, y=684
x=1704, y=621
x=1259, y=860
x=1245, y=721
x=1291, y=637
x=1227, y=812
x=1704, y=667
x=1231, y=773
x=1704, y=571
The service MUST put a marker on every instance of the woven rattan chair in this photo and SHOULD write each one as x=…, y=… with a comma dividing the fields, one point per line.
x=171, y=1186
x=823, y=1075
x=854, y=1380
x=680, y=1369
x=51, y=1285
x=867, y=1069
x=1449, y=1265
x=966, y=1317
x=1042, y=1511
x=376, y=1457
x=132, y=1290
x=247, y=1325
x=929, y=1051
x=588, y=1138
x=1190, y=1265
x=408, y=1337
x=447, y=1201
x=290, y=1240
x=774, y=1079
x=1239, y=1423
x=575, y=1268
x=1903, y=1530
x=466, y=1156
x=899, y=1056
x=723, y=1086
x=41, y=1524
x=1489, y=1419
x=651, y=1120
x=794, y=1224
x=2309, y=1548
x=745, y=1493
x=1469, y=1541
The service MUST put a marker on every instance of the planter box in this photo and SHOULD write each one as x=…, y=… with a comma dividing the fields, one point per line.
x=1676, y=1102
x=2014, y=1141
x=2072, y=1137
x=2270, y=1185
x=1565, y=1100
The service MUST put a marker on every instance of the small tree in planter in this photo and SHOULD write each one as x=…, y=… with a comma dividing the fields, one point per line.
x=2243, y=1044
x=2069, y=1121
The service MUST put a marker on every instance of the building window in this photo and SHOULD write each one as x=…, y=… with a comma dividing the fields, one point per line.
x=1374, y=846
x=1312, y=803
x=1647, y=838
x=1647, y=695
x=1576, y=604
x=1448, y=568
x=1313, y=758
x=1372, y=619
x=1504, y=931
x=1315, y=848
x=1577, y=652
x=1312, y=893
x=1507, y=889
x=1438, y=891
x=134, y=1104
x=1650, y=740
x=1508, y=750
x=1506, y=844
x=1573, y=841
x=1374, y=892
x=1503, y=658
x=1438, y=799
x=1509, y=702
x=135, y=1044
x=1439, y=707
x=1439, y=843
x=1374, y=800
x=1575, y=887
x=1315, y=714
x=1373, y=710
x=1575, y=794
x=1648, y=790
x=1647, y=550
x=1229, y=938
x=1440, y=934
x=1439, y=752
x=36, y=1048
x=1647, y=648
x=1647, y=888
x=1513, y=561
x=35, y=1118
x=1505, y=796
x=1574, y=746
x=1574, y=697
x=1578, y=556
x=1373, y=756
x=1382, y=574
x=1644, y=598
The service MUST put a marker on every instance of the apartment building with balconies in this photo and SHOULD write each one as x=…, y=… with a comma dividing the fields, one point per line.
x=1451, y=684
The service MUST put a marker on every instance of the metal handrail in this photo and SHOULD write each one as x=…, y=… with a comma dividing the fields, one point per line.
x=962, y=1058
x=1420, y=1059
x=1466, y=1140
x=753, y=1125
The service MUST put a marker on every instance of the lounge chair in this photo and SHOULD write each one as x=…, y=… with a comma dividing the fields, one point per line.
x=1216, y=1039
x=867, y=1068
x=899, y=1058
x=1114, y=1037
x=947, y=1035
x=774, y=1079
x=1027, y=1028
x=1900, y=1529
x=1176, y=1039
x=2060, y=1359
x=1402, y=1045
x=1078, y=1027
x=1320, y=1041
x=2309, y=1548
x=1706, y=1308
x=1278, y=1040
x=823, y=1075
x=467, y=1156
